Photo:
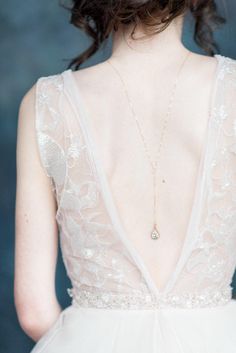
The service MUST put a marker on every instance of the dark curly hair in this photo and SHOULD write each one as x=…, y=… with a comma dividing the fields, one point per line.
x=98, y=19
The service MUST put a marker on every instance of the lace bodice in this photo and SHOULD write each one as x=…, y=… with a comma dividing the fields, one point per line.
x=104, y=267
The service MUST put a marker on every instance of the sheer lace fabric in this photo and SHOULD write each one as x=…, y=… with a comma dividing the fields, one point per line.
x=211, y=262
x=104, y=268
x=93, y=254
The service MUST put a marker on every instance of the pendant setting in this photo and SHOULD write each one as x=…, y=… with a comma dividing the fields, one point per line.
x=155, y=234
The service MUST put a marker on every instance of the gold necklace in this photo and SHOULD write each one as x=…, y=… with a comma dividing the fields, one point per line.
x=155, y=234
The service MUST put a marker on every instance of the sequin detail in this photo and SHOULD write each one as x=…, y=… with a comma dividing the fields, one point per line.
x=107, y=300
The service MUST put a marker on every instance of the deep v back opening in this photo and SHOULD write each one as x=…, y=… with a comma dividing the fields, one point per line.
x=76, y=98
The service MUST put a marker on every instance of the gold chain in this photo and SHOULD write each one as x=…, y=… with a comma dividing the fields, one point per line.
x=155, y=233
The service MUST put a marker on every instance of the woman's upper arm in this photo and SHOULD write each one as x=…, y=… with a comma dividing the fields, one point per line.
x=36, y=229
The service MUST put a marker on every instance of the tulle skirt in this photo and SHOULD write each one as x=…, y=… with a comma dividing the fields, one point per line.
x=168, y=330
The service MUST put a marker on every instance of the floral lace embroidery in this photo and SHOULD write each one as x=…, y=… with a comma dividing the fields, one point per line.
x=212, y=261
x=91, y=249
x=49, y=128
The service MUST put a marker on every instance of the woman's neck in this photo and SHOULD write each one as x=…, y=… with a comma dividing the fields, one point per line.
x=161, y=47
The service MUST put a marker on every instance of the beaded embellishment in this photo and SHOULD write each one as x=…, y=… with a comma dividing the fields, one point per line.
x=107, y=300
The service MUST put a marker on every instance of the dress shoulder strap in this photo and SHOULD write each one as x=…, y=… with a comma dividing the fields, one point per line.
x=224, y=111
x=61, y=144
x=223, y=166
x=50, y=129
x=226, y=93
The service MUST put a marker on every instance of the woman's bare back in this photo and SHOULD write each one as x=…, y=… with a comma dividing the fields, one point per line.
x=122, y=152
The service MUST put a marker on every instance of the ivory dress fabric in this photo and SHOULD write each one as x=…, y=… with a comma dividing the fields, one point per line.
x=116, y=306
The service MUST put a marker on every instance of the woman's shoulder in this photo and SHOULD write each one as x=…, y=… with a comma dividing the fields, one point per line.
x=56, y=82
x=92, y=77
x=99, y=67
x=82, y=72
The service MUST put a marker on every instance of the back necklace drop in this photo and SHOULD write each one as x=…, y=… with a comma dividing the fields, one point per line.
x=155, y=234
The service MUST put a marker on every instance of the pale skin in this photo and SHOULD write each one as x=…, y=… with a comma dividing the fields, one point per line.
x=36, y=229
x=36, y=232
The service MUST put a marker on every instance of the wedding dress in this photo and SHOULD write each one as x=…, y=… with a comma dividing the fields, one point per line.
x=116, y=305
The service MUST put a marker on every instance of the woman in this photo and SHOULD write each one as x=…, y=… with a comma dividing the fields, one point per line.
x=133, y=162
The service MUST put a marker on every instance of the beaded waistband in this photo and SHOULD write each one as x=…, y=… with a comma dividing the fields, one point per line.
x=108, y=300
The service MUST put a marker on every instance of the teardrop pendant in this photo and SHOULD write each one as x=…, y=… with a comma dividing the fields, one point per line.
x=155, y=234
